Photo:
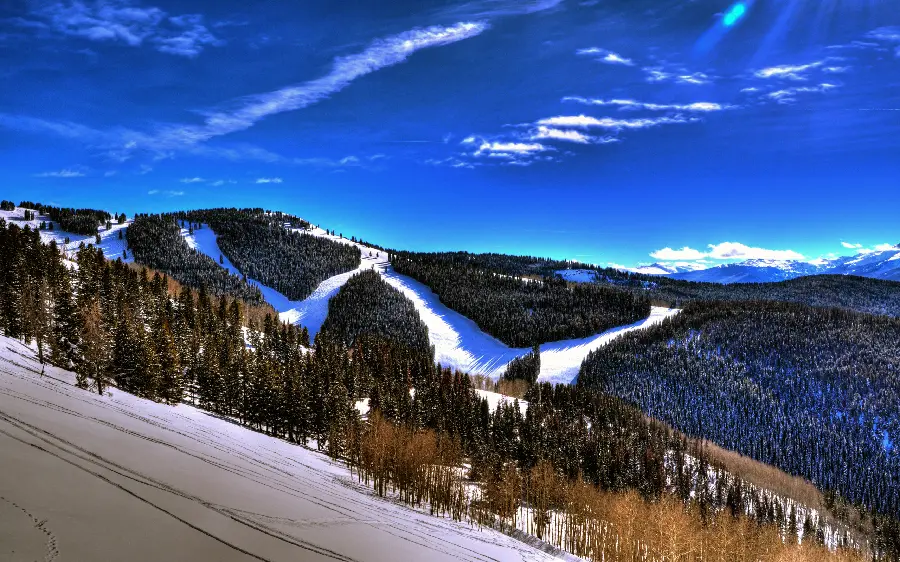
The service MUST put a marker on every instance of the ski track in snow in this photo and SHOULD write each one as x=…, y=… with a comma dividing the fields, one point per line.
x=75, y=462
x=459, y=343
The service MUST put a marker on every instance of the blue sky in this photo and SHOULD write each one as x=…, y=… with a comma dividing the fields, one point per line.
x=609, y=131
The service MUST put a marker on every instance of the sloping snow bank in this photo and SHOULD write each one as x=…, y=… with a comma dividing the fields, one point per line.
x=178, y=484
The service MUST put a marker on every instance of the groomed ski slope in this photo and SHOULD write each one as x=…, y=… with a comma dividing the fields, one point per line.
x=459, y=343
x=115, y=477
x=110, y=244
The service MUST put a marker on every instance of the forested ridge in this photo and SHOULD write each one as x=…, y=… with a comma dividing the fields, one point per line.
x=367, y=305
x=521, y=312
x=115, y=324
x=813, y=391
x=76, y=221
x=262, y=248
x=873, y=296
x=156, y=241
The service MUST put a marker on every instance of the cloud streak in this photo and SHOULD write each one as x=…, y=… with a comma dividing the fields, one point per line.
x=629, y=104
x=124, y=21
x=66, y=173
x=587, y=122
x=606, y=56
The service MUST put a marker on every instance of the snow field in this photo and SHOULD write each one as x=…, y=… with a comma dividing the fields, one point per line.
x=83, y=477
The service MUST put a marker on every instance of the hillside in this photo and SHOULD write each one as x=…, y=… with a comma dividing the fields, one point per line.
x=75, y=463
x=811, y=391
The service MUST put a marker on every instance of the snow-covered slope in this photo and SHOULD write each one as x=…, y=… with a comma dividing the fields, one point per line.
x=110, y=243
x=83, y=477
x=459, y=343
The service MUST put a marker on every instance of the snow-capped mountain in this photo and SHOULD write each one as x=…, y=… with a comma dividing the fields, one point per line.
x=883, y=264
x=664, y=268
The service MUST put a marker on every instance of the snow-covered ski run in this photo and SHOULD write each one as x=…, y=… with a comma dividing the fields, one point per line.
x=459, y=343
x=86, y=476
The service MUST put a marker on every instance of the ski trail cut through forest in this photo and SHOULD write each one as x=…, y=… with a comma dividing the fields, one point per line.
x=459, y=343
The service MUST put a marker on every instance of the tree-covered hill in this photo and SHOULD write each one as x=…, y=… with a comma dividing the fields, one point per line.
x=259, y=245
x=156, y=241
x=813, y=391
x=367, y=305
x=873, y=296
x=521, y=312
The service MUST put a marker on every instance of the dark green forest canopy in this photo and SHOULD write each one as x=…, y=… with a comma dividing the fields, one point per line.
x=156, y=241
x=521, y=312
x=813, y=391
x=873, y=296
x=258, y=243
x=367, y=305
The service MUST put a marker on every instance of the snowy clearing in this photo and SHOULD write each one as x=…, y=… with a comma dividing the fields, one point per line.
x=459, y=343
x=88, y=477
x=109, y=239
x=578, y=275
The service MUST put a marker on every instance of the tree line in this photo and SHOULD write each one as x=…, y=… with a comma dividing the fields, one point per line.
x=521, y=312
x=156, y=241
x=262, y=248
x=76, y=221
x=813, y=391
x=138, y=330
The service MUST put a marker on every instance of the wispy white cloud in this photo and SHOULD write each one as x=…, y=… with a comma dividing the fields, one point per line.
x=66, y=173
x=850, y=246
x=380, y=54
x=166, y=193
x=890, y=34
x=125, y=21
x=509, y=149
x=786, y=71
x=569, y=135
x=269, y=180
x=836, y=69
x=626, y=104
x=697, y=79
x=606, y=56
x=192, y=180
x=789, y=95
x=725, y=251
x=587, y=122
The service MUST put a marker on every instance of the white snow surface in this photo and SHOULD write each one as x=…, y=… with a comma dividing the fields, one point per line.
x=495, y=399
x=109, y=239
x=178, y=484
x=578, y=275
x=459, y=343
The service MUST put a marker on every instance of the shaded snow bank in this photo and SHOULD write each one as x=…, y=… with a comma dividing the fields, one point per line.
x=206, y=488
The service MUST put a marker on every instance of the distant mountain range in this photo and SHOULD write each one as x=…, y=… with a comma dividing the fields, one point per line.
x=878, y=265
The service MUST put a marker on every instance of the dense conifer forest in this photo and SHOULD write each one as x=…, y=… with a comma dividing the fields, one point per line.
x=873, y=296
x=521, y=312
x=76, y=221
x=367, y=305
x=815, y=392
x=156, y=241
x=262, y=248
x=573, y=450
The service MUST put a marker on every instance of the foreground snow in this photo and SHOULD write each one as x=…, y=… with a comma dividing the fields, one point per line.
x=87, y=477
x=459, y=343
